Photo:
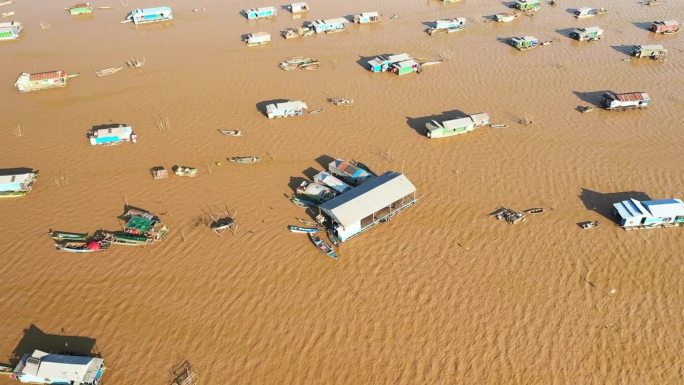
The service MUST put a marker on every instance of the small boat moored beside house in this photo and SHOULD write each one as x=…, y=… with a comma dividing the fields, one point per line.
x=329, y=25
x=261, y=13
x=299, y=7
x=453, y=127
x=258, y=38
x=625, y=101
x=654, y=51
x=41, y=81
x=588, y=34
x=528, y=5
x=315, y=192
x=367, y=17
x=47, y=368
x=375, y=201
x=327, y=179
x=447, y=25
x=589, y=12
x=634, y=214
x=524, y=43
x=349, y=172
x=285, y=109
x=505, y=17
x=150, y=15
x=80, y=9
x=665, y=27
x=113, y=134
x=10, y=30
x=16, y=184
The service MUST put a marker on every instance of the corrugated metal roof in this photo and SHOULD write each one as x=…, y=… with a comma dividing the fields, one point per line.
x=17, y=178
x=369, y=14
x=373, y=195
x=121, y=131
x=665, y=208
x=60, y=367
x=336, y=20
x=651, y=47
x=47, y=75
x=399, y=57
x=631, y=96
x=295, y=104
x=630, y=208
x=156, y=10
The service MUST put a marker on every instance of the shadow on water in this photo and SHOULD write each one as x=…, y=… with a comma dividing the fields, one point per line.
x=418, y=124
x=34, y=338
x=642, y=25
x=624, y=49
x=261, y=106
x=324, y=161
x=602, y=203
x=594, y=98
x=565, y=31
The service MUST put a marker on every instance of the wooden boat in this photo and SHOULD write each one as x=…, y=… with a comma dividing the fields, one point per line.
x=307, y=222
x=67, y=236
x=220, y=225
x=588, y=224
x=502, y=125
x=8, y=14
x=91, y=246
x=505, y=17
x=303, y=203
x=185, y=171
x=128, y=239
x=244, y=159
x=108, y=71
x=6, y=369
x=305, y=63
x=300, y=229
x=536, y=210
x=323, y=246
x=231, y=132
x=318, y=111
x=341, y=102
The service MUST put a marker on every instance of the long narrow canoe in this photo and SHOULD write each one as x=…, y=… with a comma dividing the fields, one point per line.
x=67, y=236
x=300, y=229
x=323, y=246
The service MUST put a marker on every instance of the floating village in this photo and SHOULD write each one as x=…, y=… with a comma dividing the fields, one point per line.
x=341, y=202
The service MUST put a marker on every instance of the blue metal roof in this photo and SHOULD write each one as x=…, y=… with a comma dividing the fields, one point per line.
x=62, y=359
x=630, y=208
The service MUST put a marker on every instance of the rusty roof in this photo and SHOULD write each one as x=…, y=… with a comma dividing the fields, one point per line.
x=632, y=97
x=47, y=75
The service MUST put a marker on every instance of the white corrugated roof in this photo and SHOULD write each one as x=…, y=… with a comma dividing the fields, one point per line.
x=17, y=178
x=665, y=208
x=61, y=367
x=373, y=195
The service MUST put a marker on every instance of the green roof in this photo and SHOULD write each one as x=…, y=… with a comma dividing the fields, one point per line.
x=139, y=223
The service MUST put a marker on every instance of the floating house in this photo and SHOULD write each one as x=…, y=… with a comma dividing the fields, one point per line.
x=633, y=214
x=581, y=13
x=453, y=127
x=299, y=7
x=524, y=43
x=16, y=185
x=10, y=30
x=330, y=25
x=375, y=201
x=258, y=38
x=587, y=34
x=150, y=15
x=528, y=5
x=665, y=27
x=261, y=13
x=654, y=51
x=141, y=227
x=401, y=64
x=327, y=179
x=349, y=172
x=41, y=81
x=80, y=9
x=367, y=17
x=282, y=110
x=625, y=101
x=315, y=192
x=115, y=134
x=47, y=368
x=447, y=25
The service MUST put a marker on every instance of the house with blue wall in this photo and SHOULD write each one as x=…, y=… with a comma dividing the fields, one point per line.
x=632, y=213
x=47, y=368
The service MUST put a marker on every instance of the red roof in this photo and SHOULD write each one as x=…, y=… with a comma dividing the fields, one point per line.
x=632, y=97
x=47, y=75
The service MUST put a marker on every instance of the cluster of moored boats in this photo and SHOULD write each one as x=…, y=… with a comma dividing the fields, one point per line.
x=140, y=228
